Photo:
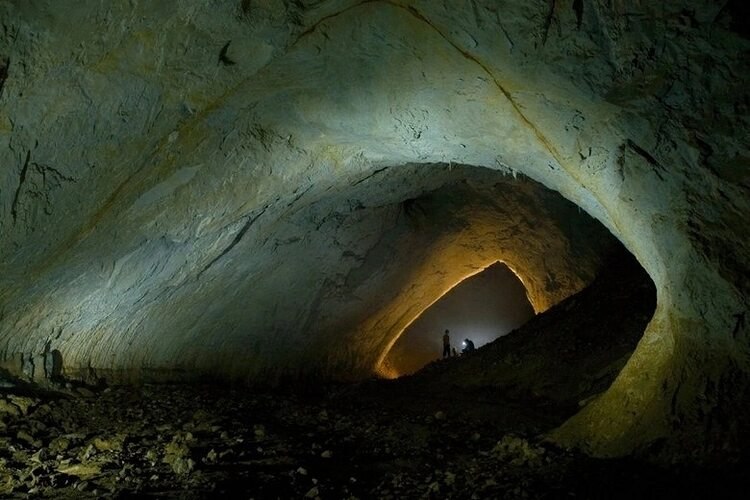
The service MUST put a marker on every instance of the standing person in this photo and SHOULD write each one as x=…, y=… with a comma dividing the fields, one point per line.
x=446, y=345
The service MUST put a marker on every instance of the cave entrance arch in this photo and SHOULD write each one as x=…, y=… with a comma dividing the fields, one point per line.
x=343, y=98
x=482, y=307
x=554, y=248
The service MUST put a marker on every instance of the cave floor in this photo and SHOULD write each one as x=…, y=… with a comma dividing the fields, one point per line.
x=372, y=440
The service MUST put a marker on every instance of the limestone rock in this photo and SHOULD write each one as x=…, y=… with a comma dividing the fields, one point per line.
x=518, y=452
x=113, y=443
x=8, y=408
x=174, y=205
x=81, y=470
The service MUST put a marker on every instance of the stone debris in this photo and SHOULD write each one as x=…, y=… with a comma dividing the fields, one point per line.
x=518, y=452
x=81, y=470
x=373, y=442
x=165, y=440
x=182, y=466
x=211, y=457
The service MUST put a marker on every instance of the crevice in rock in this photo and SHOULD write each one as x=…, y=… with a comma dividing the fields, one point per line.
x=4, y=68
x=645, y=154
x=578, y=9
x=223, y=57
x=548, y=21
x=657, y=168
x=21, y=181
x=43, y=169
x=251, y=219
x=246, y=7
x=739, y=324
x=370, y=176
x=298, y=195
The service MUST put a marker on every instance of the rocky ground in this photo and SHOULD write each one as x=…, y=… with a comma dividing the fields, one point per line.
x=471, y=427
x=202, y=442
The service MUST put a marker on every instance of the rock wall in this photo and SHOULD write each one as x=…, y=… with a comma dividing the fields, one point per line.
x=154, y=153
x=319, y=286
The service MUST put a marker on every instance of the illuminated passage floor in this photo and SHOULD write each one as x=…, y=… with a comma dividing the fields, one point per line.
x=468, y=427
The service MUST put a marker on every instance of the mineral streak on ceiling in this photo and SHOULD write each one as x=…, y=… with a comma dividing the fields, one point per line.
x=162, y=164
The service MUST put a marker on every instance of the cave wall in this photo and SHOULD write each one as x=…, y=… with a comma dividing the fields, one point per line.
x=319, y=286
x=150, y=149
x=483, y=307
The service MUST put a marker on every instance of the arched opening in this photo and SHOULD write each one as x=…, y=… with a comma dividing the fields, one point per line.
x=228, y=221
x=601, y=318
x=482, y=308
x=213, y=205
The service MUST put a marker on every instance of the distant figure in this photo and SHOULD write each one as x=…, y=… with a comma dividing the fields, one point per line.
x=446, y=345
x=453, y=352
x=468, y=346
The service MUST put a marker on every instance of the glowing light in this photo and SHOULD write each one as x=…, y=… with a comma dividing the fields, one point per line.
x=477, y=331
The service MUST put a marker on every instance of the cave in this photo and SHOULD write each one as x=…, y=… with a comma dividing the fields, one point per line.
x=481, y=308
x=217, y=219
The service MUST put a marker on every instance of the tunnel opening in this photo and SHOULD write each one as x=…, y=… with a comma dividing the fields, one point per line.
x=227, y=191
x=555, y=250
x=549, y=367
x=585, y=331
x=482, y=307
x=558, y=361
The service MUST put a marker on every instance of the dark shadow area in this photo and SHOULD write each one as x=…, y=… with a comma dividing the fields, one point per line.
x=482, y=308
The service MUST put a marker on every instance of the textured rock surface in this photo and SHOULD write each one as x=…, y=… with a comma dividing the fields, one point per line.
x=483, y=307
x=564, y=358
x=153, y=183
x=326, y=286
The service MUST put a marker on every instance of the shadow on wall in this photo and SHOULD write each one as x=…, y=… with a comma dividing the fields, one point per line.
x=36, y=367
x=483, y=307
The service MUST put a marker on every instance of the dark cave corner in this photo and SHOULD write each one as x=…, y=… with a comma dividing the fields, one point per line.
x=4, y=68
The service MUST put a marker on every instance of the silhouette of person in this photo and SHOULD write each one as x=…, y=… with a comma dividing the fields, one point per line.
x=468, y=346
x=446, y=345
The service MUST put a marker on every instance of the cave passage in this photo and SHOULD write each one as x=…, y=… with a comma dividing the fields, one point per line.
x=483, y=415
x=482, y=307
x=260, y=192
